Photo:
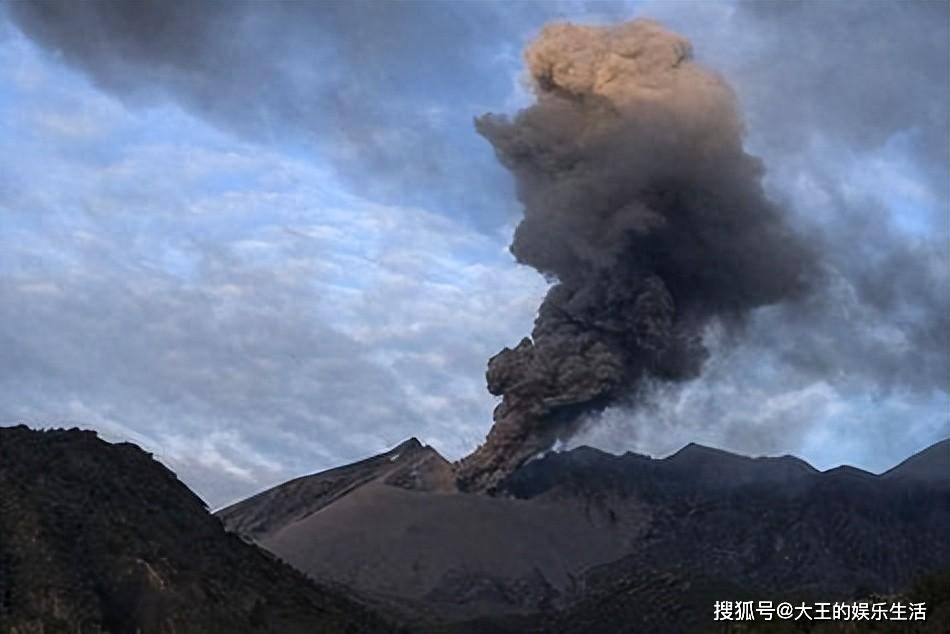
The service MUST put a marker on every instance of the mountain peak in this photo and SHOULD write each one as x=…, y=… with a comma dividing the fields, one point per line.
x=694, y=453
x=410, y=444
x=409, y=465
x=696, y=449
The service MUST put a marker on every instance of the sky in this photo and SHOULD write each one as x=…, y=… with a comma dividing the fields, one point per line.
x=264, y=239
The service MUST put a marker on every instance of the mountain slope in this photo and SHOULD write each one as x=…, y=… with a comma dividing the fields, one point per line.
x=395, y=527
x=98, y=537
x=930, y=465
x=409, y=465
x=789, y=533
x=590, y=534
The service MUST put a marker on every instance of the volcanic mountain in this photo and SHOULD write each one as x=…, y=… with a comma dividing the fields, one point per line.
x=585, y=534
x=98, y=537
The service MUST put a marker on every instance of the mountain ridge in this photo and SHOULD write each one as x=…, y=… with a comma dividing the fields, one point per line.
x=103, y=535
x=425, y=550
x=932, y=463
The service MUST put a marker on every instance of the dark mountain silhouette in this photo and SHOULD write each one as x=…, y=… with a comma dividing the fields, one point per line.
x=583, y=537
x=98, y=537
x=930, y=465
x=715, y=466
x=728, y=526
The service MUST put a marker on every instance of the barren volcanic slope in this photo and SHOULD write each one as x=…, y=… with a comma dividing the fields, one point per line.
x=627, y=541
x=98, y=537
x=395, y=526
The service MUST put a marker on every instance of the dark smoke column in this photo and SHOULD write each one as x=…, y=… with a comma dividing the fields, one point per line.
x=640, y=201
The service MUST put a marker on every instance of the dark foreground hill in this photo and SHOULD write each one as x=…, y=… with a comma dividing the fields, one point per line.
x=585, y=541
x=98, y=537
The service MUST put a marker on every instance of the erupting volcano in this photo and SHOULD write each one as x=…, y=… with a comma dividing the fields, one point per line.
x=641, y=203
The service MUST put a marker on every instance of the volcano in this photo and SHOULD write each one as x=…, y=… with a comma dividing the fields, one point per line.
x=102, y=538
x=675, y=533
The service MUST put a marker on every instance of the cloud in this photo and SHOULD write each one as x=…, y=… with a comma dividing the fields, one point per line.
x=753, y=402
x=232, y=309
x=642, y=203
x=364, y=85
x=203, y=256
x=846, y=104
x=272, y=354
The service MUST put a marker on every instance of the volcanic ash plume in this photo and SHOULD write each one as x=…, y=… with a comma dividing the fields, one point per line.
x=641, y=203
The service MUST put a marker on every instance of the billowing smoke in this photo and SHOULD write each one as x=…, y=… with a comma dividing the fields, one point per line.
x=640, y=202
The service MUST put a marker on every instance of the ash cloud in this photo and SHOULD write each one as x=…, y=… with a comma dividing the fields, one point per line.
x=642, y=204
x=846, y=104
x=857, y=72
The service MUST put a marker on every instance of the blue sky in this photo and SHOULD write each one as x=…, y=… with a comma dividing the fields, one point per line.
x=286, y=249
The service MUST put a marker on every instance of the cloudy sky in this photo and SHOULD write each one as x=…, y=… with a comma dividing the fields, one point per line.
x=264, y=239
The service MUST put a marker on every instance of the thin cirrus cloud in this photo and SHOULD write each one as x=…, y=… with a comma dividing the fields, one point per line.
x=280, y=268
x=231, y=309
